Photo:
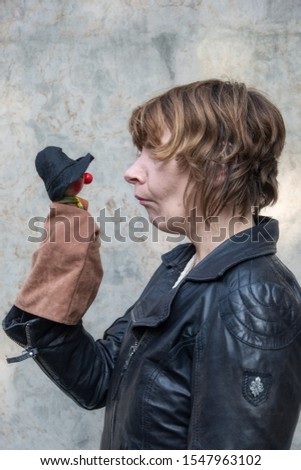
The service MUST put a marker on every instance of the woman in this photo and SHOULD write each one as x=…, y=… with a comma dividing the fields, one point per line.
x=209, y=355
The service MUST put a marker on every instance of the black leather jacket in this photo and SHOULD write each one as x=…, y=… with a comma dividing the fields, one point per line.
x=214, y=363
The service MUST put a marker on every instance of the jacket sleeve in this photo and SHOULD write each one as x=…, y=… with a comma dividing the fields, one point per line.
x=72, y=359
x=246, y=382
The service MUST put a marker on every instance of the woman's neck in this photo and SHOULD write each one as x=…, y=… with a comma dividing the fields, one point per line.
x=208, y=236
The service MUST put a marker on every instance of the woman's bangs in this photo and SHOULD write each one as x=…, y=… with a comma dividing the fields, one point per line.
x=147, y=126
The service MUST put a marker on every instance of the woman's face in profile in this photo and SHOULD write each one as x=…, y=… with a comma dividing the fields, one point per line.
x=159, y=187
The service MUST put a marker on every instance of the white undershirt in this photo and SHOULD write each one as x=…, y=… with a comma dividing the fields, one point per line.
x=186, y=270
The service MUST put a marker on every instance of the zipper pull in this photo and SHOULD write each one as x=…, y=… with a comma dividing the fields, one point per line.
x=131, y=353
x=26, y=354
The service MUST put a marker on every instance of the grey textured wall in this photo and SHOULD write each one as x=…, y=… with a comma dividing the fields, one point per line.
x=70, y=73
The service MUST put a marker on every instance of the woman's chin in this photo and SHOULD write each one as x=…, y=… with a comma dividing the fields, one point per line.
x=167, y=226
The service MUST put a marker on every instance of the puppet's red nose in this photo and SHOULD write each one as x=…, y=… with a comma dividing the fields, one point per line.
x=88, y=178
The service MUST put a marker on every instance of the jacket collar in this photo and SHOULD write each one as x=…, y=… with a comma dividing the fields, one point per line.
x=257, y=241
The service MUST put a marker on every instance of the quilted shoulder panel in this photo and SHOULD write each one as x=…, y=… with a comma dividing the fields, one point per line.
x=264, y=315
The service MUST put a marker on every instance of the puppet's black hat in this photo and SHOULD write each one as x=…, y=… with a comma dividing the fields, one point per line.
x=58, y=171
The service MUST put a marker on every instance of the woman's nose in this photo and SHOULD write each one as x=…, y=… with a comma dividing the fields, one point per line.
x=135, y=173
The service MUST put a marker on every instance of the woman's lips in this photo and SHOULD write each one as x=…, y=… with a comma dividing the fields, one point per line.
x=142, y=200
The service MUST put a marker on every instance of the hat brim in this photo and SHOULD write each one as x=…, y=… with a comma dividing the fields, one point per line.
x=68, y=176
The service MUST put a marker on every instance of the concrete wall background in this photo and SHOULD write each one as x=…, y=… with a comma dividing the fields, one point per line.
x=71, y=72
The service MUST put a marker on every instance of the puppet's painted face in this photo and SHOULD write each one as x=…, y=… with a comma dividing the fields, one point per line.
x=77, y=186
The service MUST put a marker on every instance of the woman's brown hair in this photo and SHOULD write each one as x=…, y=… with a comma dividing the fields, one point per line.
x=227, y=136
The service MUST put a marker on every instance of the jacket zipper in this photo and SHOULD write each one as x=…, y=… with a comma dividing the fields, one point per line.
x=26, y=353
x=47, y=370
x=41, y=362
x=29, y=351
x=131, y=353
